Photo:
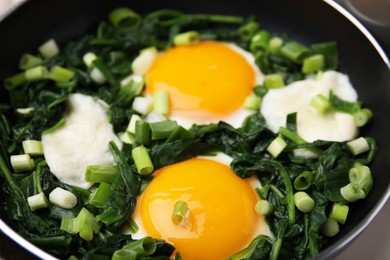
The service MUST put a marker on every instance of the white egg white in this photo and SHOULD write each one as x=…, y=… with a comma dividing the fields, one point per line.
x=311, y=124
x=80, y=142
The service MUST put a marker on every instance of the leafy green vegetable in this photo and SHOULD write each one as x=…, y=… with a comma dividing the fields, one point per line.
x=296, y=234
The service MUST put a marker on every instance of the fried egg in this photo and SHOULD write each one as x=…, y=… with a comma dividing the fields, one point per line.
x=207, y=82
x=222, y=218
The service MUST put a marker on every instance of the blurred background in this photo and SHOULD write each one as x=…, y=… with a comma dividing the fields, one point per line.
x=374, y=242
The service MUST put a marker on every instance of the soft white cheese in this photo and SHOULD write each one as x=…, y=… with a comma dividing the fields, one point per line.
x=311, y=124
x=81, y=141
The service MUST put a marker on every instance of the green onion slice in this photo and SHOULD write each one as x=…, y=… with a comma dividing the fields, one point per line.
x=180, y=213
x=124, y=18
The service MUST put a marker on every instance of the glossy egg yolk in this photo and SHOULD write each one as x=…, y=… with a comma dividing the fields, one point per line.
x=222, y=218
x=205, y=80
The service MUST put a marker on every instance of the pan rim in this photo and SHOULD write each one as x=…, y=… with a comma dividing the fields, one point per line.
x=331, y=251
x=361, y=28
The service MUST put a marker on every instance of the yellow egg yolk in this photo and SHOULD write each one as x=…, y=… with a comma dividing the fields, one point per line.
x=222, y=217
x=204, y=80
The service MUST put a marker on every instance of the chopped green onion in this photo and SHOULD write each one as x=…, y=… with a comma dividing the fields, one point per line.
x=330, y=52
x=63, y=198
x=124, y=254
x=101, y=173
x=163, y=129
x=142, y=133
x=129, y=88
x=38, y=201
x=260, y=41
x=303, y=202
x=36, y=73
x=321, y=103
x=294, y=51
x=339, y=212
x=153, y=117
x=303, y=180
x=133, y=120
x=273, y=81
x=99, y=197
x=22, y=162
x=330, y=228
x=32, y=147
x=106, y=72
x=249, y=29
x=362, y=116
x=358, y=146
x=252, y=102
x=319, y=75
x=49, y=49
x=263, y=207
x=124, y=18
x=361, y=175
x=276, y=146
x=186, y=38
x=97, y=76
x=180, y=133
x=180, y=213
x=313, y=63
x=142, y=105
x=87, y=225
x=161, y=102
x=142, y=160
x=28, y=61
x=142, y=63
x=88, y=59
x=60, y=74
x=136, y=78
x=126, y=137
x=25, y=111
x=275, y=44
x=15, y=80
x=69, y=225
x=352, y=192
x=144, y=247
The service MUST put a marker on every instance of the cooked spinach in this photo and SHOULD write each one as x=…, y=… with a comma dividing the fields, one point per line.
x=296, y=234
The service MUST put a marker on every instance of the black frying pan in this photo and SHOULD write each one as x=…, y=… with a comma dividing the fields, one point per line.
x=307, y=21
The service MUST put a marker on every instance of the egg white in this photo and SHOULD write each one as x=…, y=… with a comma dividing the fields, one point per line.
x=311, y=124
x=80, y=142
x=262, y=228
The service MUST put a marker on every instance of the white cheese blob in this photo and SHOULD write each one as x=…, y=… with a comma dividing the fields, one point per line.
x=311, y=124
x=81, y=141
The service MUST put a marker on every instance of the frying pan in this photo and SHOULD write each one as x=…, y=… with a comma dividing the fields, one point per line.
x=306, y=21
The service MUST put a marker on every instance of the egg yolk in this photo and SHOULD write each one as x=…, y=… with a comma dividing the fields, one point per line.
x=222, y=219
x=204, y=80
